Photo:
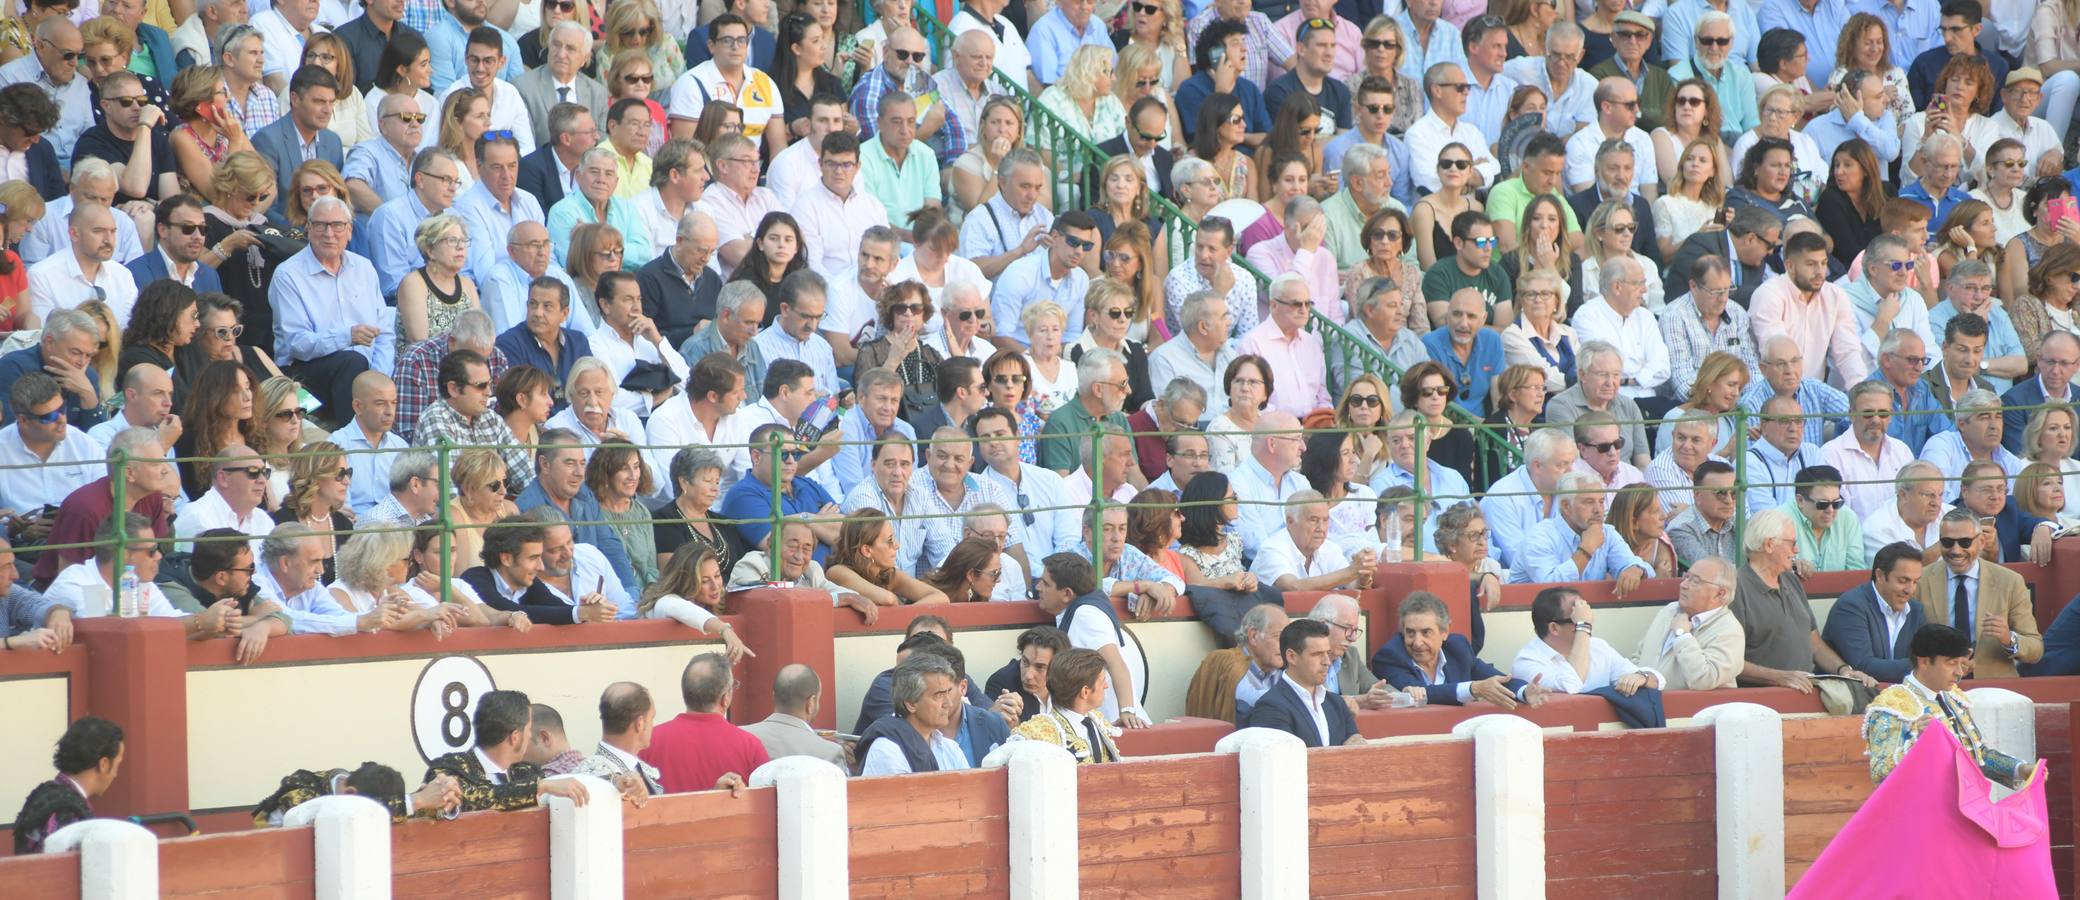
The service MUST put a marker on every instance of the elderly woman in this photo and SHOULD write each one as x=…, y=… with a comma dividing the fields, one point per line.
x=1518, y=399
x=373, y=569
x=1611, y=228
x=433, y=295
x=1462, y=536
x=636, y=24
x=1054, y=377
x=318, y=483
x=1084, y=98
x=1108, y=310
x=1388, y=255
x=1009, y=386
x=478, y=476
x=685, y=524
x=242, y=244
x=620, y=479
x=216, y=340
x=1247, y=383
x=905, y=307
x=2040, y=491
x=1538, y=337
x=2049, y=440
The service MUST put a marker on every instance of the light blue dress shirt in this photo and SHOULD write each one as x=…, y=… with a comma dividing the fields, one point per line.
x=446, y=41
x=392, y=246
x=1053, y=40
x=1397, y=158
x=1487, y=107
x=1678, y=41
x=855, y=462
x=575, y=210
x=1548, y=555
x=376, y=162
x=1912, y=31
x=1770, y=474
x=1262, y=512
x=1511, y=519
x=371, y=470
x=909, y=532
x=1831, y=130
x=489, y=223
x=1417, y=55
x=315, y=311
x=1025, y=282
x=1822, y=28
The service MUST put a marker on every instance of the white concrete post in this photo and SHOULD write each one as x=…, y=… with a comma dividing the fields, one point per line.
x=2008, y=722
x=1044, y=846
x=352, y=853
x=1748, y=751
x=814, y=848
x=1274, y=811
x=585, y=842
x=118, y=860
x=1509, y=794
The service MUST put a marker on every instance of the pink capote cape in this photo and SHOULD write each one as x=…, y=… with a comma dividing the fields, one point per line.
x=1930, y=831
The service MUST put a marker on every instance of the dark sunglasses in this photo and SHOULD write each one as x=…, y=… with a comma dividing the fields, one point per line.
x=642, y=33
x=128, y=102
x=968, y=315
x=1828, y=504
x=290, y=413
x=637, y=79
x=188, y=228
x=1147, y=9
x=905, y=308
x=1951, y=543
x=495, y=485
x=1606, y=446
x=253, y=472
x=561, y=5
x=1118, y=313
x=1078, y=243
x=1714, y=42
x=1379, y=109
x=50, y=418
x=1455, y=164
x=1380, y=44
x=1008, y=380
x=915, y=56
x=1365, y=400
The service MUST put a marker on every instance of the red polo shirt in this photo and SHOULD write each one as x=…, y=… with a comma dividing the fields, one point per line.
x=81, y=514
x=693, y=750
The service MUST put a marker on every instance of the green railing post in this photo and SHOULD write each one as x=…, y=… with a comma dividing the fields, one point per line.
x=774, y=443
x=447, y=522
x=1098, y=498
x=118, y=483
x=1422, y=453
x=1740, y=484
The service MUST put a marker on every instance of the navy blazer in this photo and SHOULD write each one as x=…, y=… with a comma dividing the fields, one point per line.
x=2061, y=646
x=152, y=266
x=1284, y=709
x=1162, y=158
x=279, y=144
x=541, y=605
x=1393, y=665
x=44, y=174
x=1856, y=630
x=2027, y=392
x=538, y=175
x=1586, y=201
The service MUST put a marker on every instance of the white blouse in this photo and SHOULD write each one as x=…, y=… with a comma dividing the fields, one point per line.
x=1676, y=218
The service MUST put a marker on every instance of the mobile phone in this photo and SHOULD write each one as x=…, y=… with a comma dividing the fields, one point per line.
x=1941, y=104
x=2063, y=208
x=1217, y=56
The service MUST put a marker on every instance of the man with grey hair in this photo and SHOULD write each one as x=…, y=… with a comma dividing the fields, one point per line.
x=330, y=323
x=599, y=201
x=1201, y=350
x=894, y=170
x=93, y=183
x=1969, y=289
x=290, y=571
x=1977, y=436
x=1101, y=390
x=414, y=490
x=191, y=40
x=1380, y=320
x=1783, y=372
x=529, y=255
x=69, y=342
x=1578, y=545
x=678, y=286
x=740, y=308
x=559, y=80
x=925, y=693
x=1914, y=515
x=1518, y=503
x=1570, y=92
x=797, y=695
x=1295, y=353
x=1348, y=674
x=394, y=225
x=852, y=316
x=1693, y=642
x=1884, y=299
x=1702, y=322
x=1177, y=410
x=1692, y=440
x=1257, y=639
x=1014, y=222
x=1939, y=165
x=735, y=201
x=418, y=380
x=54, y=68
x=1431, y=665
x=1769, y=600
x=149, y=485
x=1900, y=360
x=1301, y=557
x=85, y=270
x=1602, y=373
x=1778, y=454
x=1368, y=187
x=1618, y=318
x=1867, y=457
x=699, y=749
x=964, y=313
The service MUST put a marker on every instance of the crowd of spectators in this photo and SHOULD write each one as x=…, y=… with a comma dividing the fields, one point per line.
x=434, y=315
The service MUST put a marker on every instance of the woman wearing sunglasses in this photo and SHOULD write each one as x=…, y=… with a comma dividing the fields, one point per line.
x=1138, y=74
x=1432, y=218
x=635, y=24
x=1157, y=26
x=1009, y=386
x=905, y=307
x=1108, y=312
x=317, y=497
x=1611, y=229
x=219, y=414
x=534, y=45
x=278, y=435
x=218, y=340
x=242, y=243
x=1084, y=99
x=633, y=76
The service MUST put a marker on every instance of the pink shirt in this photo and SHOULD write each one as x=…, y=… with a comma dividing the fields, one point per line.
x=1297, y=367
x=1277, y=257
x=1824, y=327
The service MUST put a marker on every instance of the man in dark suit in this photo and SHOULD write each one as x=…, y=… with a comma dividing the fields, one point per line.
x=1299, y=703
x=559, y=81
x=1744, y=243
x=311, y=94
x=1428, y=661
x=1872, y=626
x=179, y=224
x=550, y=171
x=1146, y=123
x=494, y=774
x=2061, y=646
x=960, y=396
x=2058, y=358
x=1026, y=674
x=509, y=580
x=1586, y=201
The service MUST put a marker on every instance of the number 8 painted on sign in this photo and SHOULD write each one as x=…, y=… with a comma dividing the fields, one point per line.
x=443, y=703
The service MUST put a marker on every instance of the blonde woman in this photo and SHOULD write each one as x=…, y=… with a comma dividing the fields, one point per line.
x=1138, y=74
x=465, y=116
x=1611, y=228
x=1696, y=191
x=1364, y=410
x=1384, y=45
x=2048, y=440
x=478, y=477
x=208, y=133
x=1084, y=98
x=102, y=369
x=1721, y=379
x=309, y=182
x=373, y=568
x=2007, y=170
x=973, y=177
x=636, y=24
x=1122, y=198
x=1160, y=33
x=279, y=433
x=1054, y=376
x=435, y=294
x=23, y=207
x=1107, y=315
x=318, y=483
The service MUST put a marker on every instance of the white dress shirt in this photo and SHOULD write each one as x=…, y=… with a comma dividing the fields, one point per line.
x=210, y=511
x=52, y=234
x=736, y=217
x=58, y=283
x=75, y=581
x=284, y=45
x=1047, y=531
x=658, y=222
x=1314, y=700
x=673, y=426
x=621, y=356
x=886, y=756
x=75, y=462
x=832, y=226
x=591, y=573
x=1886, y=527
x=1280, y=556
x=1638, y=339
x=1866, y=482
x=1539, y=660
x=1428, y=137
x=508, y=111
x=1581, y=156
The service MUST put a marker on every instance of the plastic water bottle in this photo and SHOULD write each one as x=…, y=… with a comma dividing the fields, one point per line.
x=1391, y=541
x=126, y=595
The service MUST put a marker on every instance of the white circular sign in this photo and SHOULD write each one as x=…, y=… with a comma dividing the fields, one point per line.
x=444, y=702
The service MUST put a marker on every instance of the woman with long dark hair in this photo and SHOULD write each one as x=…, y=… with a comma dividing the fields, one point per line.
x=1206, y=541
x=163, y=320
x=219, y=414
x=864, y=562
x=970, y=572
x=804, y=45
x=1222, y=125
x=1765, y=180
x=1855, y=195
x=776, y=252
x=1330, y=465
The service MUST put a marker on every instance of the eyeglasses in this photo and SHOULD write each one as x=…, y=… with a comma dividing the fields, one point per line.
x=407, y=118
x=1002, y=379
x=288, y=414
x=1380, y=44
x=731, y=40
x=66, y=55
x=1951, y=543
x=188, y=228
x=484, y=385
x=149, y=550
x=1824, y=505
x=128, y=102
x=254, y=472
x=319, y=226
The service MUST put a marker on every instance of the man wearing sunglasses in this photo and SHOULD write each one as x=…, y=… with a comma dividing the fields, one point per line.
x=1371, y=111
x=131, y=136
x=1705, y=530
x=377, y=169
x=1052, y=272
x=448, y=41
x=751, y=498
x=142, y=552
x=902, y=71
x=1446, y=123
x=1716, y=49
x=1148, y=125
x=1830, y=535
x=238, y=486
x=1872, y=625
x=1632, y=37
x=63, y=458
x=1602, y=451
x=181, y=246
x=53, y=67
x=1980, y=598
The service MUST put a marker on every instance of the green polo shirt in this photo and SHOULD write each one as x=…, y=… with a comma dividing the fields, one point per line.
x=1346, y=235
x=1507, y=201
x=1840, y=550
x=1067, y=432
x=901, y=189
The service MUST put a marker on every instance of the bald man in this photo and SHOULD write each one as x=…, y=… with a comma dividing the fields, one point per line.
x=797, y=696
x=375, y=414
